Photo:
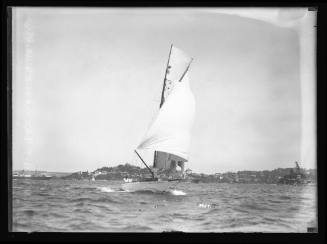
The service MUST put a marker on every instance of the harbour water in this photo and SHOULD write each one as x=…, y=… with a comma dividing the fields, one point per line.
x=100, y=206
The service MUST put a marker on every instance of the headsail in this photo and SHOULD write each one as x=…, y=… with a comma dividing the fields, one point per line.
x=169, y=135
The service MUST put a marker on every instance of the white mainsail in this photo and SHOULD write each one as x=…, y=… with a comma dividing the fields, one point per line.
x=170, y=133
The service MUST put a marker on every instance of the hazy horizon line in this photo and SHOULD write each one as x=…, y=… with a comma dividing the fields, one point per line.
x=74, y=171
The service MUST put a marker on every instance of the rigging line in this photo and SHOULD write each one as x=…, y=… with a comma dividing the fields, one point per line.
x=145, y=164
x=186, y=70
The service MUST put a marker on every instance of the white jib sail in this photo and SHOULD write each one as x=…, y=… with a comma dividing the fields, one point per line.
x=171, y=130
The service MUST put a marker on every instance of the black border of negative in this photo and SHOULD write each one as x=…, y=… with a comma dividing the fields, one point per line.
x=6, y=130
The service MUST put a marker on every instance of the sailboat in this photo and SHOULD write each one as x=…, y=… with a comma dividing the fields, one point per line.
x=169, y=135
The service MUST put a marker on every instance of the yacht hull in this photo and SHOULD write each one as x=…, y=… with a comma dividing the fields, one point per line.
x=153, y=186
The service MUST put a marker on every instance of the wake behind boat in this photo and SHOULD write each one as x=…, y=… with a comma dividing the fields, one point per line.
x=169, y=135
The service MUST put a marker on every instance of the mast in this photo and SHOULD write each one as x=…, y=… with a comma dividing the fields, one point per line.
x=164, y=83
x=162, y=96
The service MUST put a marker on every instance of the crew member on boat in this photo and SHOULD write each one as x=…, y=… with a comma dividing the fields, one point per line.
x=171, y=172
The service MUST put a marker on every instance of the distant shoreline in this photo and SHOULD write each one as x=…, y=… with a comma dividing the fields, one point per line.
x=71, y=172
x=127, y=170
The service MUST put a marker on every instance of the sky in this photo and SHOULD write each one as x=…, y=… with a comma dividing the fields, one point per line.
x=87, y=84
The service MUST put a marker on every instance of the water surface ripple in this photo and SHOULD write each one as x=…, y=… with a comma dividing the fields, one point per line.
x=77, y=206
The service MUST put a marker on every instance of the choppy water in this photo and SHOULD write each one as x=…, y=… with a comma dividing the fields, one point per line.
x=75, y=206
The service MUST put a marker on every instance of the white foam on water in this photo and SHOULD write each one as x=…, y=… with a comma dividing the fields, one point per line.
x=108, y=189
x=105, y=189
x=204, y=205
x=177, y=193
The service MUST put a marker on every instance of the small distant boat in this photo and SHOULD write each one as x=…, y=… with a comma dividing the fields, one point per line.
x=169, y=135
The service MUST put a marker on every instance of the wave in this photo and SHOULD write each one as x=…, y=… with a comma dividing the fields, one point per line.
x=105, y=200
x=205, y=205
x=83, y=211
x=133, y=227
x=269, y=220
x=29, y=213
x=76, y=227
x=80, y=199
x=79, y=204
x=274, y=201
x=81, y=187
x=180, y=216
x=241, y=210
x=105, y=189
x=148, y=192
x=285, y=197
x=169, y=192
x=56, y=215
x=21, y=227
x=253, y=206
x=177, y=192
